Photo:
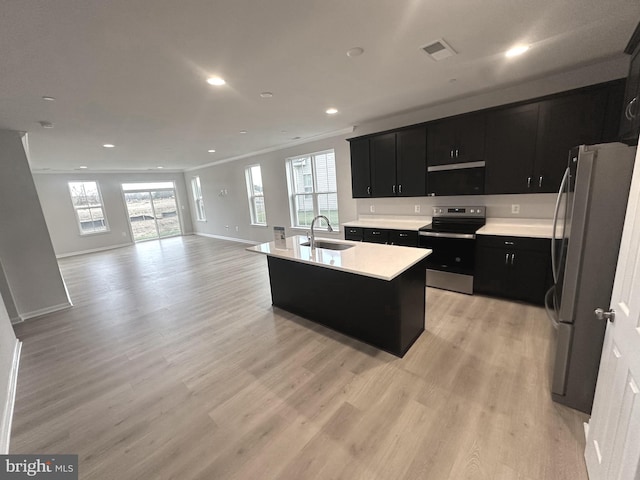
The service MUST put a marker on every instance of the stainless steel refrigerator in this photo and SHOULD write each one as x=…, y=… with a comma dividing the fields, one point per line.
x=588, y=221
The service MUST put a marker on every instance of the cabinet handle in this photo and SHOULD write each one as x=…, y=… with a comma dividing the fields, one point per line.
x=630, y=106
x=508, y=243
x=404, y=234
x=540, y=182
x=528, y=182
x=375, y=233
x=452, y=153
x=394, y=189
x=457, y=152
x=513, y=256
x=368, y=190
x=400, y=188
x=627, y=112
x=506, y=259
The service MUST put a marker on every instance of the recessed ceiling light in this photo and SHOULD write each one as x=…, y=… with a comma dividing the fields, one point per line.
x=266, y=94
x=44, y=124
x=49, y=99
x=355, y=52
x=515, y=51
x=160, y=166
x=217, y=81
x=332, y=111
x=83, y=166
x=243, y=131
x=211, y=150
x=108, y=145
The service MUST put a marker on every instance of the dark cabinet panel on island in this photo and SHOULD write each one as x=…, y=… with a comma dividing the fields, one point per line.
x=513, y=267
x=456, y=140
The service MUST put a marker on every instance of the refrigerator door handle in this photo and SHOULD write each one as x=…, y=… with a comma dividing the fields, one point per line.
x=554, y=262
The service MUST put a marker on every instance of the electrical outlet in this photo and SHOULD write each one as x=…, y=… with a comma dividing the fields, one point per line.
x=226, y=227
x=515, y=208
x=237, y=229
x=372, y=208
x=416, y=209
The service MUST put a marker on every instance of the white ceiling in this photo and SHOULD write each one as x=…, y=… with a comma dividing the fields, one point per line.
x=132, y=72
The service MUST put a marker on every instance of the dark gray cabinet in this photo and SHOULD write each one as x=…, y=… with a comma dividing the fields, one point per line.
x=630, y=121
x=513, y=267
x=360, y=170
x=353, y=233
x=456, y=140
x=406, y=238
x=382, y=153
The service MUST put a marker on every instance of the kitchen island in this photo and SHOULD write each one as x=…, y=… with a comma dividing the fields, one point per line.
x=374, y=293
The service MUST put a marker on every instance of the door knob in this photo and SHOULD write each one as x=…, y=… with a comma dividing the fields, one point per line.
x=608, y=315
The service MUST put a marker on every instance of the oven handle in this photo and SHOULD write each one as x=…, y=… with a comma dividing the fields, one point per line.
x=469, y=236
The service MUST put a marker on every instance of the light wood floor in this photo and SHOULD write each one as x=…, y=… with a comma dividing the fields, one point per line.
x=173, y=364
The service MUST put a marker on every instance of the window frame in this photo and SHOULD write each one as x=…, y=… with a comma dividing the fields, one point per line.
x=252, y=196
x=89, y=207
x=314, y=193
x=198, y=199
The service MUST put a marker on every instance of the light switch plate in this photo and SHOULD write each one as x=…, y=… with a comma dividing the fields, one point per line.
x=515, y=208
x=416, y=209
x=372, y=208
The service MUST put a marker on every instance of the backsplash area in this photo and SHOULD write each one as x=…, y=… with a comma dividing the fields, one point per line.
x=539, y=205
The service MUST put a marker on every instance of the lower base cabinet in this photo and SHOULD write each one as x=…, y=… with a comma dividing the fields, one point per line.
x=513, y=267
x=405, y=238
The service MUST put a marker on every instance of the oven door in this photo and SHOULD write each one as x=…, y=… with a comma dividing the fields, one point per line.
x=452, y=252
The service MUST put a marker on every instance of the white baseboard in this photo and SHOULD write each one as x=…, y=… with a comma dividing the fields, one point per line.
x=45, y=311
x=9, y=402
x=93, y=250
x=231, y=239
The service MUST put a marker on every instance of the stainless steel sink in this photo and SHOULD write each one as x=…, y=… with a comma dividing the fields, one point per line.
x=328, y=245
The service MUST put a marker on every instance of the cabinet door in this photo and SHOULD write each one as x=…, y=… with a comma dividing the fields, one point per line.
x=491, y=274
x=470, y=138
x=353, y=233
x=441, y=138
x=406, y=238
x=376, y=235
x=629, y=122
x=615, y=101
x=529, y=281
x=566, y=122
x=360, y=172
x=411, y=162
x=383, y=165
x=511, y=149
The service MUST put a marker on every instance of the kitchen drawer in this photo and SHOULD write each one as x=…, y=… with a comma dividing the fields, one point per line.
x=376, y=235
x=518, y=243
x=407, y=238
x=353, y=233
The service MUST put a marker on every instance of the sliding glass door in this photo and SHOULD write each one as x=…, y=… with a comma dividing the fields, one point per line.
x=153, y=210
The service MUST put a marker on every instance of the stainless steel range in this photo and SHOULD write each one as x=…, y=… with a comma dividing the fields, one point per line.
x=452, y=237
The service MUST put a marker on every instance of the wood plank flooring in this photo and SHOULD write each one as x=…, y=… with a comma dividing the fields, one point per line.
x=174, y=364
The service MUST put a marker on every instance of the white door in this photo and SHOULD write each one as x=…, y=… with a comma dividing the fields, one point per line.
x=613, y=438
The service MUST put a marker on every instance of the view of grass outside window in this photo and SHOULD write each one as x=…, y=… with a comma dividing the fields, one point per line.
x=153, y=211
x=256, y=195
x=313, y=189
x=197, y=199
x=87, y=202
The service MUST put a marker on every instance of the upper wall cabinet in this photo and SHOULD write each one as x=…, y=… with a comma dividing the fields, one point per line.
x=630, y=121
x=456, y=140
x=360, y=171
x=390, y=165
x=511, y=149
x=565, y=122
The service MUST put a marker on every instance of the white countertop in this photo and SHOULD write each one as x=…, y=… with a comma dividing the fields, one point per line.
x=369, y=259
x=411, y=223
x=520, y=227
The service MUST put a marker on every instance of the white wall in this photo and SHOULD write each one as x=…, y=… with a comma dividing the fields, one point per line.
x=60, y=216
x=233, y=210
x=8, y=343
x=26, y=252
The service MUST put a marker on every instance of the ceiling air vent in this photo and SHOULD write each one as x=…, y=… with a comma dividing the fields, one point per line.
x=438, y=50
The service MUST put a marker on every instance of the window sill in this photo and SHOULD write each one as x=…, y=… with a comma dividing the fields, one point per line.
x=316, y=229
x=91, y=234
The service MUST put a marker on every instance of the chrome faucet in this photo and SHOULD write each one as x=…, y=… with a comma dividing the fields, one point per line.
x=312, y=237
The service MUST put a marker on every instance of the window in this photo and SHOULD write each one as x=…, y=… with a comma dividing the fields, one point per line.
x=197, y=199
x=87, y=202
x=313, y=189
x=256, y=195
